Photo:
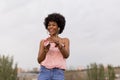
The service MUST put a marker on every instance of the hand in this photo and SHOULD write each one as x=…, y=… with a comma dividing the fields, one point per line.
x=56, y=44
x=46, y=48
x=56, y=41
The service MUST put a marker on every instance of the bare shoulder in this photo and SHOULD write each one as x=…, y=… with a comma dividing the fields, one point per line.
x=65, y=39
x=42, y=41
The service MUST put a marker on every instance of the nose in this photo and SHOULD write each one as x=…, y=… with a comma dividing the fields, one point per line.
x=50, y=26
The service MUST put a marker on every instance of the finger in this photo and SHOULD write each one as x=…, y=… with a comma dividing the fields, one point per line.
x=56, y=44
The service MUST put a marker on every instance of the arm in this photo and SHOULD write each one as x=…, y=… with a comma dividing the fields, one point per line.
x=42, y=51
x=64, y=49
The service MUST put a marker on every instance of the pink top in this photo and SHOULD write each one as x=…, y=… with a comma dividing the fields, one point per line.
x=54, y=58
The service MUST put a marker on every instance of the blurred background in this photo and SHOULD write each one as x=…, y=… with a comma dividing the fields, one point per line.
x=93, y=27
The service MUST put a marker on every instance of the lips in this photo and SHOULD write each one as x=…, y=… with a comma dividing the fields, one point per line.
x=51, y=31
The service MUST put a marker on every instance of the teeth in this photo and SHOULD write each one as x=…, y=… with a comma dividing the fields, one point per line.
x=51, y=30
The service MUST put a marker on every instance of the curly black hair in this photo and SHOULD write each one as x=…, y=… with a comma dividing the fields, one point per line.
x=58, y=18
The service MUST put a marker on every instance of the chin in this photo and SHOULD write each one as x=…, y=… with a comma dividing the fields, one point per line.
x=52, y=34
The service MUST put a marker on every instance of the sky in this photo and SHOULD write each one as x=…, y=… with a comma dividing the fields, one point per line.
x=93, y=27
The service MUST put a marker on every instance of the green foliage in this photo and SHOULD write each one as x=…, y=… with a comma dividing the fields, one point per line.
x=111, y=73
x=92, y=72
x=7, y=71
x=101, y=72
x=97, y=72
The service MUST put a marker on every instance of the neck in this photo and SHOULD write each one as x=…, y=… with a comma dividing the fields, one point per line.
x=54, y=35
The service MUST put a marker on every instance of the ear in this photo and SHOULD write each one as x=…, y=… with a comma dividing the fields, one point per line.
x=58, y=29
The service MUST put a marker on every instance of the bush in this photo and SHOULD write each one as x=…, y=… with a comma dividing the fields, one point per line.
x=7, y=71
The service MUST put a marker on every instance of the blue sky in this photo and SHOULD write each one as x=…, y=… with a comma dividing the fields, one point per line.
x=93, y=27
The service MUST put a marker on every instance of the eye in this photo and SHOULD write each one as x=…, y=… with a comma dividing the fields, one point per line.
x=53, y=25
x=48, y=24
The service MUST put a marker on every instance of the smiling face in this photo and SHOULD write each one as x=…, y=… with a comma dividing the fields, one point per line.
x=53, y=28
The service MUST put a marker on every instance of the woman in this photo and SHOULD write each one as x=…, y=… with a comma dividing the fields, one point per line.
x=54, y=50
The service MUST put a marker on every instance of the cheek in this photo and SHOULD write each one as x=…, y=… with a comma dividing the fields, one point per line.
x=55, y=28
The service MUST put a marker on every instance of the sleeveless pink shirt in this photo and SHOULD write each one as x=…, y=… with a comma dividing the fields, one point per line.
x=54, y=58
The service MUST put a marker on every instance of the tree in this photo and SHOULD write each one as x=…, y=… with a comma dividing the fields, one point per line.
x=92, y=72
x=101, y=72
x=97, y=72
x=7, y=70
x=111, y=73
